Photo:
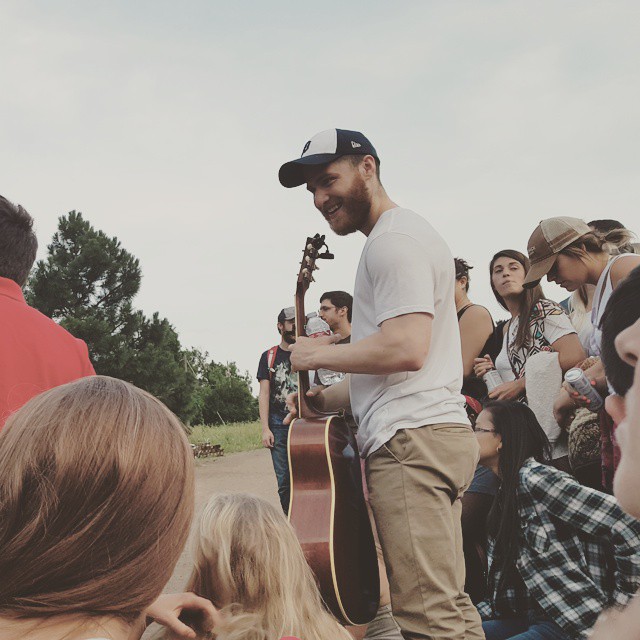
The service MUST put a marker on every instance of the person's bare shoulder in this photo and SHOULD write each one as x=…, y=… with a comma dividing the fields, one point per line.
x=476, y=314
x=620, y=269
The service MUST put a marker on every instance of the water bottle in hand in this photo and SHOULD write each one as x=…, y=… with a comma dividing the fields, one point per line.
x=316, y=327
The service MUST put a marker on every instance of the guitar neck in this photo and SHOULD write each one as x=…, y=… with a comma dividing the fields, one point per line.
x=312, y=251
x=305, y=409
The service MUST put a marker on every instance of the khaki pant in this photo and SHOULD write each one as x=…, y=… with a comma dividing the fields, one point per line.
x=415, y=484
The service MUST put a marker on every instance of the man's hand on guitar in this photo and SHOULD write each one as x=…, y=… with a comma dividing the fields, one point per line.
x=267, y=437
x=292, y=402
x=305, y=351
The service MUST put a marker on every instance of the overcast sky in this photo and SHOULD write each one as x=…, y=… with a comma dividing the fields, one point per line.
x=165, y=123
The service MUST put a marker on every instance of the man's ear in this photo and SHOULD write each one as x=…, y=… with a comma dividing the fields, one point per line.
x=280, y=328
x=368, y=167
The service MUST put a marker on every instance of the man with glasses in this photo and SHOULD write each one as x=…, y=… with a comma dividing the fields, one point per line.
x=276, y=382
x=335, y=310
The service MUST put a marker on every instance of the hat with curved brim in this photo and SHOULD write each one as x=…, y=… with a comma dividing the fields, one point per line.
x=324, y=148
x=549, y=238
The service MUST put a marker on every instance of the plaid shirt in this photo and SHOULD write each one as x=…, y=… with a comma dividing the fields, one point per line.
x=578, y=552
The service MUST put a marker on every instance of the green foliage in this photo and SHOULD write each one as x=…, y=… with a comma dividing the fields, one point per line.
x=87, y=282
x=86, y=272
x=224, y=394
x=234, y=438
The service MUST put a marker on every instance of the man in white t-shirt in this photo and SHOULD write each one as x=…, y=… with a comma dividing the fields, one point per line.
x=404, y=388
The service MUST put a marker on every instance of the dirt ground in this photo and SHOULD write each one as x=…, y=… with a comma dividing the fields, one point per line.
x=248, y=472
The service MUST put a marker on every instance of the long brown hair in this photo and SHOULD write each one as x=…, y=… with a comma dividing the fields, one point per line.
x=96, y=499
x=250, y=564
x=528, y=298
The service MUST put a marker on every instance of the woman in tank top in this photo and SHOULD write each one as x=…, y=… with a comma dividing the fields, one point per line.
x=476, y=332
x=572, y=254
x=580, y=303
x=536, y=325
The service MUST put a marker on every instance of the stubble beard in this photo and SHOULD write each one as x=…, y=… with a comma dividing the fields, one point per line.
x=356, y=207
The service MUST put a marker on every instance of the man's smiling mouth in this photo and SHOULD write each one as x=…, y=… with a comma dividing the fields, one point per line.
x=331, y=211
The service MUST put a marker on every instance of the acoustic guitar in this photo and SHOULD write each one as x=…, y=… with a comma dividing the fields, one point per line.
x=327, y=507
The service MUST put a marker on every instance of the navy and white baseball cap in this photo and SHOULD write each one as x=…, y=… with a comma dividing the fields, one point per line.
x=323, y=148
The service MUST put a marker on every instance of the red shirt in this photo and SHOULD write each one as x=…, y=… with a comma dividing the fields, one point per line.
x=36, y=354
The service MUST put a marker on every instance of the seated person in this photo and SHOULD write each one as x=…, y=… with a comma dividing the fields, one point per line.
x=536, y=324
x=624, y=624
x=620, y=316
x=622, y=310
x=558, y=552
x=250, y=565
x=95, y=508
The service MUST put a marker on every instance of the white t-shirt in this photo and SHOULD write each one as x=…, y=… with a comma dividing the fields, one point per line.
x=503, y=366
x=406, y=267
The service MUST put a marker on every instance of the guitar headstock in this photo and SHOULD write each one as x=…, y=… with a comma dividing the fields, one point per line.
x=312, y=252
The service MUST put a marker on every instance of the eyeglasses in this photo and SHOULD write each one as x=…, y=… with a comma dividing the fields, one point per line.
x=480, y=430
x=326, y=308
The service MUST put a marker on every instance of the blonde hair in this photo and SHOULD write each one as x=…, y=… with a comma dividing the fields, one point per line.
x=600, y=242
x=249, y=562
x=614, y=242
x=96, y=499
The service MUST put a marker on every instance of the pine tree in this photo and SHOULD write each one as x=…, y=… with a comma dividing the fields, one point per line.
x=87, y=283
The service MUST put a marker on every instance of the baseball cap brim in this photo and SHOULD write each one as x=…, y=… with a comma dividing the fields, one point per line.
x=538, y=271
x=291, y=174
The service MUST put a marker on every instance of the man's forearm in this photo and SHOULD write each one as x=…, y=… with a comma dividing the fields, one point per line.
x=375, y=355
x=263, y=409
x=336, y=397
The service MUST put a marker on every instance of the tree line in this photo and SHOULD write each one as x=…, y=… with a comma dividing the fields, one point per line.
x=87, y=283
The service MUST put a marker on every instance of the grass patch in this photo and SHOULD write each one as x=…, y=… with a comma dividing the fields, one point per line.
x=234, y=437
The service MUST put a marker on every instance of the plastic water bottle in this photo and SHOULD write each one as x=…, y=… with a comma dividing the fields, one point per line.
x=492, y=379
x=578, y=380
x=316, y=327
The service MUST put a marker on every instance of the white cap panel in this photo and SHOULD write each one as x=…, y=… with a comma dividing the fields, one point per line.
x=323, y=142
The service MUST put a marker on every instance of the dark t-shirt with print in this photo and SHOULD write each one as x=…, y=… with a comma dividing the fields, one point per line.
x=282, y=383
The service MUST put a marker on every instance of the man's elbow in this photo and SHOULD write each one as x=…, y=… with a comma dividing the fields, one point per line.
x=414, y=360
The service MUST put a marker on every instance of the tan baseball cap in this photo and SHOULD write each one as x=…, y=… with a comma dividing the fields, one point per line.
x=550, y=237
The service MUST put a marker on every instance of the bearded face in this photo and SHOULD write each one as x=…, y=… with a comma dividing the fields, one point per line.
x=349, y=212
x=288, y=331
x=341, y=194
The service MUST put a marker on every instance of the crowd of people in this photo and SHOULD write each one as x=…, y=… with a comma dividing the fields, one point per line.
x=479, y=460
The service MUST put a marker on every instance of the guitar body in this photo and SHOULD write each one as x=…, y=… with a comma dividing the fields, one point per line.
x=329, y=515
